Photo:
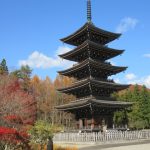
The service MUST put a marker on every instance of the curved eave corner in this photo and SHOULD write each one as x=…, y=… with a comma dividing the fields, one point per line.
x=122, y=51
x=74, y=33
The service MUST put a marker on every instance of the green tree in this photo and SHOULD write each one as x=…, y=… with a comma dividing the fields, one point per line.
x=3, y=67
x=139, y=116
x=145, y=106
x=24, y=74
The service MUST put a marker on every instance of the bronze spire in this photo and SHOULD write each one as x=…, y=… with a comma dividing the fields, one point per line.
x=89, y=16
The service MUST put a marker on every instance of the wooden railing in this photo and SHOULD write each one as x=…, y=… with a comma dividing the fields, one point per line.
x=102, y=137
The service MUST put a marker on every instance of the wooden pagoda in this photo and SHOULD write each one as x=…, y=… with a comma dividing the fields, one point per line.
x=94, y=105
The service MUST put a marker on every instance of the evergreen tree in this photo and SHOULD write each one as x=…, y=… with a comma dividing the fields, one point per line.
x=3, y=67
x=24, y=74
x=145, y=106
x=139, y=116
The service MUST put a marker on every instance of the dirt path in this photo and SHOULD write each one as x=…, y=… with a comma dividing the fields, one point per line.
x=144, y=145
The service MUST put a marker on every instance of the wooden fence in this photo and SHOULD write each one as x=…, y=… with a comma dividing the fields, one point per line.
x=102, y=137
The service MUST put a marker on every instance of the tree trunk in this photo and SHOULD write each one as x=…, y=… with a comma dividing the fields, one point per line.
x=50, y=144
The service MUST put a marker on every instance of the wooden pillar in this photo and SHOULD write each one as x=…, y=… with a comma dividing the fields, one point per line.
x=113, y=126
x=109, y=121
x=126, y=119
x=77, y=124
x=86, y=123
x=104, y=125
x=92, y=123
x=80, y=123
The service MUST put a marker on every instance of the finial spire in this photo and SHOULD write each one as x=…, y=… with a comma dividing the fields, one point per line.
x=89, y=16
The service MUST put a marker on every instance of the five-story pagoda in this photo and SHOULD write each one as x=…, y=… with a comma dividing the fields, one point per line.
x=94, y=105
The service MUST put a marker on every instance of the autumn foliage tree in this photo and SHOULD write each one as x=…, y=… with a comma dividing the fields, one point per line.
x=48, y=97
x=15, y=101
x=64, y=118
x=17, y=111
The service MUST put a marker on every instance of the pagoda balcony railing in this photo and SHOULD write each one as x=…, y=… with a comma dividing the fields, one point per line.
x=69, y=129
x=97, y=60
x=97, y=127
x=95, y=78
x=95, y=97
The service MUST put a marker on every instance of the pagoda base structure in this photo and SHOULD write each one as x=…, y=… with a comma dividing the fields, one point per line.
x=93, y=113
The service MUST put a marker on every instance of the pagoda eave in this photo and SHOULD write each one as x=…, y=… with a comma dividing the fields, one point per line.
x=95, y=64
x=90, y=102
x=108, y=36
x=87, y=83
x=90, y=46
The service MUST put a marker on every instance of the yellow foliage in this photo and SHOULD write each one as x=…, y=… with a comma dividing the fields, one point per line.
x=56, y=147
x=38, y=147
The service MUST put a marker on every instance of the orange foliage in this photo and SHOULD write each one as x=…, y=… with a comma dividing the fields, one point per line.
x=56, y=147
x=48, y=97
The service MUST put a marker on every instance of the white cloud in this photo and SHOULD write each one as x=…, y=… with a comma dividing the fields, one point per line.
x=117, y=80
x=147, y=55
x=133, y=79
x=141, y=81
x=112, y=63
x=130, y=76
x=147, y=81
x=126, y=24
x=40, y=60
x=62, y=50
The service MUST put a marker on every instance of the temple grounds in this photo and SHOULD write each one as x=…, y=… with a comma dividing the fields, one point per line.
x=138, y=145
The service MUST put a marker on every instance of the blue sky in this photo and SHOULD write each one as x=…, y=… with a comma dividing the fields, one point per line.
x=30, y=31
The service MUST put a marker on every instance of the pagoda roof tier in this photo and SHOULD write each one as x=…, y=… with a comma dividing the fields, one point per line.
x=91, y=86
x=91, y=49
x=91, y=32
x=92, y=103
x=86, y=67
